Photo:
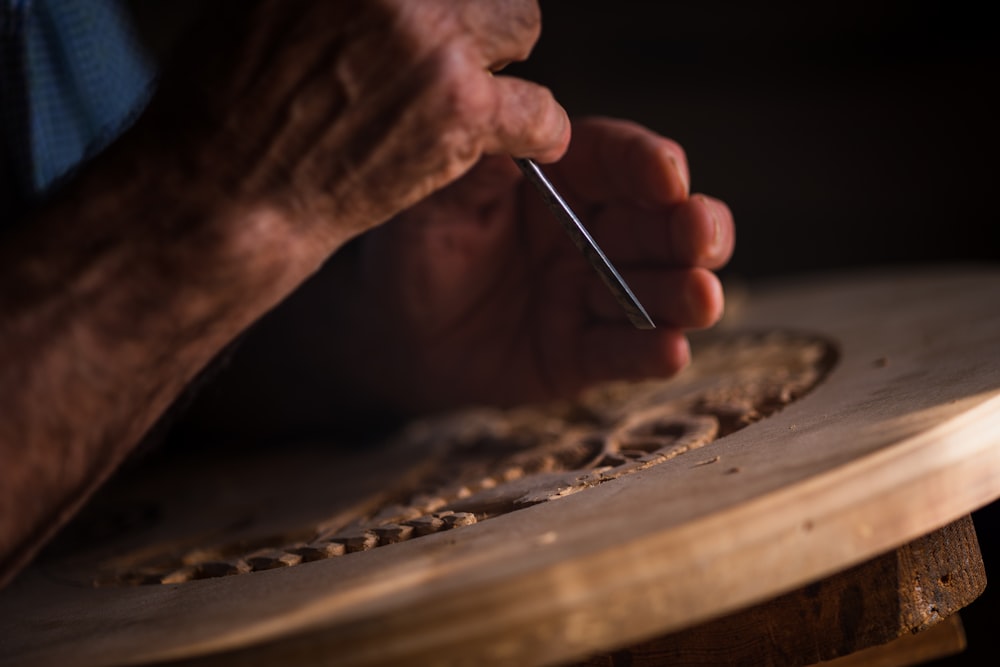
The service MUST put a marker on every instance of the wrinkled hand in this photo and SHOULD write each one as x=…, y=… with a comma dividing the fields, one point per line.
x=477, y=295
x=338, y=115
x=281, y=130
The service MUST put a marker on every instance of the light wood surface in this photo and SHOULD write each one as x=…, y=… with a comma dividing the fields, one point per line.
x=901, y=438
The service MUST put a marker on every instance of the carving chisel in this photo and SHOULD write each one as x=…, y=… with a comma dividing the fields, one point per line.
x=587, y=245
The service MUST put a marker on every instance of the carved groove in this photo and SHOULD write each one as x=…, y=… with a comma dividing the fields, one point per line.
x=493, y=462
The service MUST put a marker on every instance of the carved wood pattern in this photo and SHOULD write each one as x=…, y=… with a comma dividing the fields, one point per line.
x=490, y=462
x=897, y=440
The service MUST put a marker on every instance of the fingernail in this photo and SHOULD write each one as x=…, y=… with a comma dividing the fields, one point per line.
x=685, y=185
x=717, y=242
x=716, y=229
x=564, y=133
x=685, y=353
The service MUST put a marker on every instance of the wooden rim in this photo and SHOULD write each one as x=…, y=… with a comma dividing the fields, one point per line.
x=900, y=439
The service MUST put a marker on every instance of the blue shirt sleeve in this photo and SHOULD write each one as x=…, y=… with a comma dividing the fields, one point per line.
x=73, y=75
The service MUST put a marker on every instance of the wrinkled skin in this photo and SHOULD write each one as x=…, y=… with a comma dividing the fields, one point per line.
x=339, y=115
x=284, y=130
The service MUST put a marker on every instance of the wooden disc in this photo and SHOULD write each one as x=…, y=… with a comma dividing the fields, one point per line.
x=851, y=616
x=856, y=413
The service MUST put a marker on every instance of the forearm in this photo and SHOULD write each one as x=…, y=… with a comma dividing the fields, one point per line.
x=111, y=299
x=282, y=130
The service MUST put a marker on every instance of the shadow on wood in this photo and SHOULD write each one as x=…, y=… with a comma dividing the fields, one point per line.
x=904, y=592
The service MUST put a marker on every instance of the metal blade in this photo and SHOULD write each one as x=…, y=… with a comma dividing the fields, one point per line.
x=588, y=246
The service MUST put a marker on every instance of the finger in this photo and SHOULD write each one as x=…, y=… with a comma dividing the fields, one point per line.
x=504, y=31
x=696, y=232
x=528, y=122
x=615, y=160
x=680, y=298
x=621, y=353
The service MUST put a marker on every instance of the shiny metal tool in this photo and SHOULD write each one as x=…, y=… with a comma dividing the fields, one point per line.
x=588, y=246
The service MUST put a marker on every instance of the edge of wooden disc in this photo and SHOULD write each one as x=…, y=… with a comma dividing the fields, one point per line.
x=878, y=455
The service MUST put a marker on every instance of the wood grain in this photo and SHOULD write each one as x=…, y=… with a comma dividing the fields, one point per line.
x=902, y=438
x=898, y=594
x=939, y=641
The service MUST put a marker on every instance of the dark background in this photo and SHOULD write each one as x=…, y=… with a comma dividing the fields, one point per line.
x=841, y=134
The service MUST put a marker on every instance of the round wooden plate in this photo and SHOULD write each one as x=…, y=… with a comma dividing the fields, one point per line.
x=889, y=431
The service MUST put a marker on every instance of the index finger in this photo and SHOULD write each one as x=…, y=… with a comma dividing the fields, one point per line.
x=616, y=160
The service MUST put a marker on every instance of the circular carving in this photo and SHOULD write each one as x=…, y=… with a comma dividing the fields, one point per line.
x=893, y=443
x=488, y=462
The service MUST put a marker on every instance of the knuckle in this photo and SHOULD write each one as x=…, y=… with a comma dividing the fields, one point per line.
x=460, y=93
x=456, y=103
x=526, y=24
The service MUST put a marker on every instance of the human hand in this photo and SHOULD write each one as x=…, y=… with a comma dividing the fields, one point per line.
x=284, y=128
x=476, y=295
x=338, y=115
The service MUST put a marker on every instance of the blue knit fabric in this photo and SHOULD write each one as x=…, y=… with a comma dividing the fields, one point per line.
x=72, y=76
